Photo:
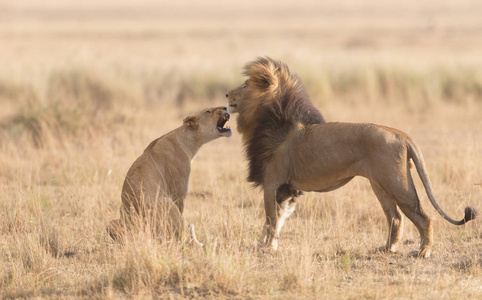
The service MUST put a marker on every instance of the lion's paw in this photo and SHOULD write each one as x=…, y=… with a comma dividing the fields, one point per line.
x=423, y=253
x=385, y=249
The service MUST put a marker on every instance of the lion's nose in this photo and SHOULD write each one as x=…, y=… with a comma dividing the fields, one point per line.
x=225, y=108
x=227, y=95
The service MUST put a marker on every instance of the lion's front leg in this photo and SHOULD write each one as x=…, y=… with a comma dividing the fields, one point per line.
x=270, y=227
x=285, y=209
x=264, y=235
x=286, y=204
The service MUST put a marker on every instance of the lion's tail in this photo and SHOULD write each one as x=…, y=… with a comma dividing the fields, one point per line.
x=416, y=155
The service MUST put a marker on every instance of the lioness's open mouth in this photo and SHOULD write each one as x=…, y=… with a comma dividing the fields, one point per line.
x=221, y=122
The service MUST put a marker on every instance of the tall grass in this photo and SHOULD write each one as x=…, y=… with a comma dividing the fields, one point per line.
x=75, y=99
x=83, y=94
x=67, y=143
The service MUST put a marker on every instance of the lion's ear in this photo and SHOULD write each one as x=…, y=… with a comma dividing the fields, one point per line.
x=191, y=121
x=263, y=74
x=266, y=79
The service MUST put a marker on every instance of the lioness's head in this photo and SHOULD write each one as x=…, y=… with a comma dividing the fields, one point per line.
x=209, y=123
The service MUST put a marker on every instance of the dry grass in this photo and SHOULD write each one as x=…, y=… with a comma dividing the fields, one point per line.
x=83, y=90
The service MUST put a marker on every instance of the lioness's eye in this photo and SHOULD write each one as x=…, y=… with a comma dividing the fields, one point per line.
x=243, y=86
x=209, y=111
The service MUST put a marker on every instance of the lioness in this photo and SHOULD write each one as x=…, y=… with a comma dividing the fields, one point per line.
x=289, y=150
x=157, y=183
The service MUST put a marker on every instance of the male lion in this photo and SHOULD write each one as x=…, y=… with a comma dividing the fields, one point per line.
x=157, y=183
x=290, y=148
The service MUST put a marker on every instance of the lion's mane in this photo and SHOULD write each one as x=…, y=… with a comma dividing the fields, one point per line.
x=278, y=104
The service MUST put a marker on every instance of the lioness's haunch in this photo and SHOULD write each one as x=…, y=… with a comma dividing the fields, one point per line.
x=157, y=183
x=290, y=148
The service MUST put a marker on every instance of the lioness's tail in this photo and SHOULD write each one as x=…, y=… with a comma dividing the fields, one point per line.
x=416, y=155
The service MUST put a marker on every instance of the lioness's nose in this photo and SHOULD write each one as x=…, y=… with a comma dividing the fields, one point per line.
x=225, y=108
x=227, y=95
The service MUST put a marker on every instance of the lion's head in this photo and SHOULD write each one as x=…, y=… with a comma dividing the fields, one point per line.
x=271, y=98
x=209, y=123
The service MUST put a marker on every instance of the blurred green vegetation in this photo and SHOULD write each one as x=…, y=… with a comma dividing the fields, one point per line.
x=76, y=98
x=389, y=85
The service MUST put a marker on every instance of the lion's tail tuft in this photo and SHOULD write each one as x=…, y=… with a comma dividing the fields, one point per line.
x=415, y=154
x=470, y=213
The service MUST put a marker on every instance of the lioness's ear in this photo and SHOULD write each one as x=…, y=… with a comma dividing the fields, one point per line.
x=191, y=121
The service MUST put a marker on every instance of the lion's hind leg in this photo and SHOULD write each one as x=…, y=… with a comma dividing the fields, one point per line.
x=394, y=218
x=412, y=209
x=405, y=195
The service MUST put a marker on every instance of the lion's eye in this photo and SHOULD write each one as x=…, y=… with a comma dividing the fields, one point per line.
x=209, y=111
x=244, y=85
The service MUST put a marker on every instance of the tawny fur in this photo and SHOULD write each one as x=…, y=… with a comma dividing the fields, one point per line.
x=291, y=148
x=281, y=104
x=157, y=183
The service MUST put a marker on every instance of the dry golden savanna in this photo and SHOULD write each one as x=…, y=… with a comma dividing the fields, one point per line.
x=85, y=86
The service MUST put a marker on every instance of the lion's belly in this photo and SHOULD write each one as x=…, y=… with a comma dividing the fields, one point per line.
x=320, y=184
